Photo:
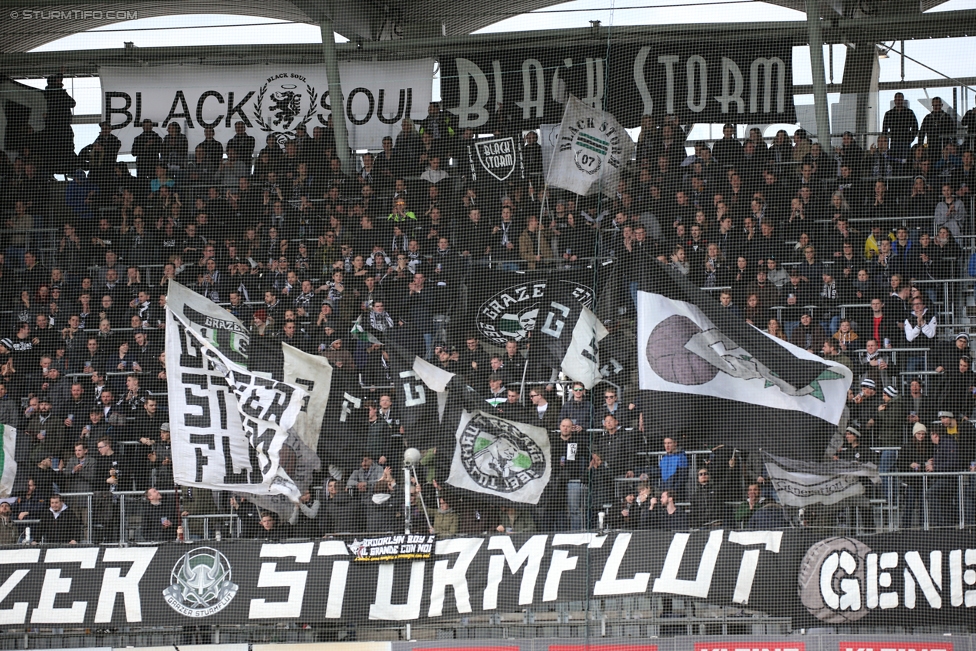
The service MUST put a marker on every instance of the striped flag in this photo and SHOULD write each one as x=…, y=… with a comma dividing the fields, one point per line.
x=8, y=464
x=591, y=151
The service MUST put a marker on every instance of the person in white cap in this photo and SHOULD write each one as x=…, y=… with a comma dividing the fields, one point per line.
x=947, y=355
x=854, y=450
x=864, y=405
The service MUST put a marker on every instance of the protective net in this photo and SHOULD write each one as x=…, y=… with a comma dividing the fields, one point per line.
x=469, y=325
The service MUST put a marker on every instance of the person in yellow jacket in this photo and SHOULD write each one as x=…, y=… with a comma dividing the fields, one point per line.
x=400, y=212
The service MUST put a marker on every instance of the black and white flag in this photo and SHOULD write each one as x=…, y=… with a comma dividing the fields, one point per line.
x=591, y=151
x=801, y=483
x=233, y=429
x=500, y=457
x=708, y=373
x=419, y=385
x=569, y=334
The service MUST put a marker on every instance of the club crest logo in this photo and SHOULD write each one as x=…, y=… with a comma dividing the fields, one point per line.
x=593, y=143
x=200, y=583
x=498, y=157
x=511, y=313
x=832, y=578
x=284, y=103
x=499, y=456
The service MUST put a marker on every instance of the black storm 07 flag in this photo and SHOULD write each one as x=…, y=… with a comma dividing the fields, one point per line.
x=707, y=373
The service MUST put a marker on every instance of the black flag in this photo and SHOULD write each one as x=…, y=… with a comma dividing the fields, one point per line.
x=708, y=374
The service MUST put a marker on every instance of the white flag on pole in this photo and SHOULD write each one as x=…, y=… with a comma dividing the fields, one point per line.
x=591, y=151
x=500, y=457
x=231, y=424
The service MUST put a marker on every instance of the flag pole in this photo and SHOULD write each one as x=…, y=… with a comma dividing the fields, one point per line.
x=543, y=207
x=525, y=370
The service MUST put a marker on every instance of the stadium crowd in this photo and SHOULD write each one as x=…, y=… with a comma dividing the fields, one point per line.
x=784, y=234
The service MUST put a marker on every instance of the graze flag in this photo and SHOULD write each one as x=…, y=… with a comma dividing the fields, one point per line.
x=591, y=150
x=569, y=335
x=8, y=463
x=800, y=483
x=504, y=305
x=268, y=412
x=218, y=326
x=708, y=373
x=500, y=457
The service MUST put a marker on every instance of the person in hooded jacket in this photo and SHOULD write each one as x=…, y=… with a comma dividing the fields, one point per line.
x=383, y=511
x=445, y=519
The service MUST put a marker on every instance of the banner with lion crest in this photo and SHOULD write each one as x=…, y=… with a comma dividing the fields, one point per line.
x=268, y=99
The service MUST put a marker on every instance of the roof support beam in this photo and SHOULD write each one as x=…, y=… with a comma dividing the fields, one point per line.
x=336, y=98
x=819, y=73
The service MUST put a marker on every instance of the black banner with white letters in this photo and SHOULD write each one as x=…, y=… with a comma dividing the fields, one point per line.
x=912, y=579
x=750, y=81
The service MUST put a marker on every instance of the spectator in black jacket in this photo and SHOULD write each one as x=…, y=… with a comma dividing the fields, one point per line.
x=158, y=517
x=663, y=514
x=58, y=525
x=707, y=507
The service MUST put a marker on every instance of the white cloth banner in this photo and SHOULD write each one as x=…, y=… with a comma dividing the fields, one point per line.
x=314, y=374
x=799, y=483
x=580, y=363
x=8, y=462
x=681, y=351
x=501, y=457
x=436, y=379
x=591, y=150
x=211, y=447
x=268, y=99
x=266, y=409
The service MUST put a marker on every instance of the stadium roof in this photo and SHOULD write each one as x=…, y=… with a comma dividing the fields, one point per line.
x=357, y=20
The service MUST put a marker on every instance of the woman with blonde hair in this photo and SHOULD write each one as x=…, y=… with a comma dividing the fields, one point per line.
x=773, y=328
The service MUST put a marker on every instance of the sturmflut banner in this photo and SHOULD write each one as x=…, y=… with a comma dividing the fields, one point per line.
x=268, y=99
x=913, y=579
